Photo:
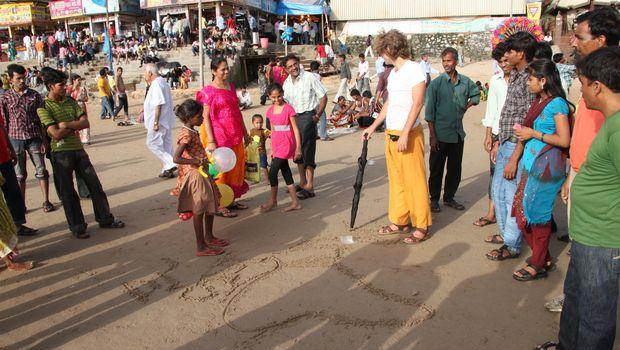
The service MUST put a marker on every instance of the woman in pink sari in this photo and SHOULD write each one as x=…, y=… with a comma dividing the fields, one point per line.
x=223, y=127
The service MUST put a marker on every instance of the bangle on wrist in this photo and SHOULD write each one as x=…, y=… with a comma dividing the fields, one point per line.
x=542, y=136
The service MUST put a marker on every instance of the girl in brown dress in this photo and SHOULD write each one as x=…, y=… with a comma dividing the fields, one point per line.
x=196, y=189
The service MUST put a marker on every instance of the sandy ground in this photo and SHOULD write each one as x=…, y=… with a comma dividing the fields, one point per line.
x=286, y=281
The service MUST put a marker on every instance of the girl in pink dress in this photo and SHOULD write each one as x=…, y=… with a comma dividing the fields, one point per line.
x=223, y=127
x=285, y=145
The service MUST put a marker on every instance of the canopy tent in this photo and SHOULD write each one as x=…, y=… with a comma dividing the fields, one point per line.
x=301, y=7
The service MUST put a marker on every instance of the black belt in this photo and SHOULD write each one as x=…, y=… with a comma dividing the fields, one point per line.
x=313, y=113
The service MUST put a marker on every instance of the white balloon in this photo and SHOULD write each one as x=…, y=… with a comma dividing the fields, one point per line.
x=224, y=159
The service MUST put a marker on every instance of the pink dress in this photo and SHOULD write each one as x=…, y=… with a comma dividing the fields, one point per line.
x=282, y=136
x=225, y=116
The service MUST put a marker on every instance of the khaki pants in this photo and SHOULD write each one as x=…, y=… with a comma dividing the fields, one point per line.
x=409, y=200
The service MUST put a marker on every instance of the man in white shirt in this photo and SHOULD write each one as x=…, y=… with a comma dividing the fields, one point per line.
x=498, y=87
x=308, y=97
x=297, y=30
x=60, y=36
x=159, y=119
x=330, y=56
x=427, y=68
x=220, y=23
x=28, y=46
x=245, y=100
x=363, y=81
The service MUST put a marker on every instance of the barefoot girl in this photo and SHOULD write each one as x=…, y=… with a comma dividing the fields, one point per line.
x=285, y=145
x=196, y=190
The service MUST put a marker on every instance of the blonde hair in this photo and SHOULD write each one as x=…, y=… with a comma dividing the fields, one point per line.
x=394, y=44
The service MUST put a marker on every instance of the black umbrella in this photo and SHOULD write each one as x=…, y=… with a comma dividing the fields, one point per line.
x=359, y=181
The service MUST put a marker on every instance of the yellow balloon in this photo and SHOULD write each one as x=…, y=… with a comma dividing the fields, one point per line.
x=228, y=196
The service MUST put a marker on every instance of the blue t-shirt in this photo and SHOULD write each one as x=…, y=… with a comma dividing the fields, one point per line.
x=545, y=123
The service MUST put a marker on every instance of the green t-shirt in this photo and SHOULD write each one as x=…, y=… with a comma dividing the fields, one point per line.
x=54, y=112
x=595, y=193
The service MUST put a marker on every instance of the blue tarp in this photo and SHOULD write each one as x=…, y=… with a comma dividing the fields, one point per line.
x=300, y=7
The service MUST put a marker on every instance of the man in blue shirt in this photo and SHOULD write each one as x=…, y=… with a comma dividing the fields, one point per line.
x=447, y=99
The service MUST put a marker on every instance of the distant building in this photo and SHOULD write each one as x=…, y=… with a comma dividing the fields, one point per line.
x=431, y=25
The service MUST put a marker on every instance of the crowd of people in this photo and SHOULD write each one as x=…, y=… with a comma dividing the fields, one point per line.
x=533, y=135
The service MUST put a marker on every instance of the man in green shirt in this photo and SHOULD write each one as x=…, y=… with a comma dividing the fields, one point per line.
x=591, y=288
x=447, y=99
x=63, y=117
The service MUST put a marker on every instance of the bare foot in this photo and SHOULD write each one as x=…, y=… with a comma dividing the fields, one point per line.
x=267, y=207
x=210, y=252
x=292, y=207
x=13, y=266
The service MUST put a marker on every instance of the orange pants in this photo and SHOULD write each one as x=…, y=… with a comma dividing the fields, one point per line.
x=409, y=198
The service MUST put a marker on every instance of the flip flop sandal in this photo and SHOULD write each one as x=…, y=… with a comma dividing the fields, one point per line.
x=495, y=239
x=219, y=242
x=305, y=194
x=48, y=207
x=546, y=345
x=225, y=213
x=483, y=221
x=527, y=276
x=388, y=230
x=81, y=235
x=210, y=252
x=26, y=231
x=114, y=224
x=238, y=206
x=500, y=256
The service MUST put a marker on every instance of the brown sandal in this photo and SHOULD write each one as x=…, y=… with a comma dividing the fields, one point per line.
x=416, y=240
x=388, y=230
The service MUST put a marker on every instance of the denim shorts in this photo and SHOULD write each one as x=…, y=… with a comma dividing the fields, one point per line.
x=263, y=160
x=33, y=147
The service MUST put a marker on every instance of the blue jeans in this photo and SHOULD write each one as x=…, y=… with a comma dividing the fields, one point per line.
x=322, y=126
x=503, y=194
x=591, y=296
x=106, y=107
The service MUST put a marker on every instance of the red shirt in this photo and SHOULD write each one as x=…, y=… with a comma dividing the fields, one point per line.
x=321, y=50
x=230, y=23
x=5, y=155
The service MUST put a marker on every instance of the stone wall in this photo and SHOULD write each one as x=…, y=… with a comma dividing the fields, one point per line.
x=477, y=45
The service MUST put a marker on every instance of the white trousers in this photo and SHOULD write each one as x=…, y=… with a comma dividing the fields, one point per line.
x=369, y=50
x=343, y=90
x=160, y=143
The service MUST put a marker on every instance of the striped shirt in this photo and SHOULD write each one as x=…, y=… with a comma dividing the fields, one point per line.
x=303, y=94
x=518, y=101
x=54, y=112
x=20, y=114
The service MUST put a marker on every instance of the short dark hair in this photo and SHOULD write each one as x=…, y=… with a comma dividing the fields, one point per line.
x=340, y=98
x=343, y=56
x=367, y=94
x=543, y=51
x=15, y=68
x=188, y=109
x=499, y=51
x=604, y=21
x=361, y=55
x=289, y=57
x=602, y=65
x=355, y=92
x=450, y=50
x=314, y=65
x=52, y=76
x=103, y=72
x=557, y=58
x=257, y=116
x=523, y=42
